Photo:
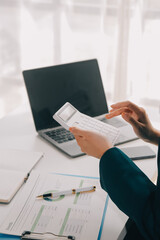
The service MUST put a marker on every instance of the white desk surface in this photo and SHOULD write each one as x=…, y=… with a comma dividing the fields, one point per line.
x=17, y=131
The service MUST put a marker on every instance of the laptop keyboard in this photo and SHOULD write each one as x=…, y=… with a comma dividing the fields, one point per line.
x=60, y=135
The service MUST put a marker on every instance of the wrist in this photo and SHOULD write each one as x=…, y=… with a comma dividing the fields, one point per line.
x=155, y=137
x=104, y=151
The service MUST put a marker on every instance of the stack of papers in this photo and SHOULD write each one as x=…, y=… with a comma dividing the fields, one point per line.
x=80, y=215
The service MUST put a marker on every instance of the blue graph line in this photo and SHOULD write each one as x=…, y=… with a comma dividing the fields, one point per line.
x=71, y=175
x=103, y=218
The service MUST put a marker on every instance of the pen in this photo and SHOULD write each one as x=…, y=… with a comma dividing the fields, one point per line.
x=68, y=192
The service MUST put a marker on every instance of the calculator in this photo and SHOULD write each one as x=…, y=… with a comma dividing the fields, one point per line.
x=68, y=116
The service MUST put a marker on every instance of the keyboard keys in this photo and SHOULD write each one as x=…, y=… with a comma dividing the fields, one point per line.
x=60, y=135
x=88, y=123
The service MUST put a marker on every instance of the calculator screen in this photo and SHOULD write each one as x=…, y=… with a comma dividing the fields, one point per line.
x=67, y=113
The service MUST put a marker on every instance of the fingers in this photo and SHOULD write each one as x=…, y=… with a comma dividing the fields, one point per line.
x=80, y=138
x=122, y=104
x=117, y=112
x=126, y=107
x=78, y=132
x=127, y=104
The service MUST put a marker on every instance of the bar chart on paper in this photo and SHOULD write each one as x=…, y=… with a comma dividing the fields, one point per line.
x=65, y=215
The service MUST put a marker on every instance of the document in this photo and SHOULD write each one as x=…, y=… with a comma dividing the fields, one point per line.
x=15, y=166
x=78, y=214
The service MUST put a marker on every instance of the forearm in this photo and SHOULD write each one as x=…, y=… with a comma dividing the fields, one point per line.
x=124, y=182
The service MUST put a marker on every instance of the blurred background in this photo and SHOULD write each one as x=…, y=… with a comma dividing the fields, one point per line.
x=124, y=35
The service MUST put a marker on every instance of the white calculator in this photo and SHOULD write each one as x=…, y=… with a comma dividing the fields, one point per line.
x=68, y=116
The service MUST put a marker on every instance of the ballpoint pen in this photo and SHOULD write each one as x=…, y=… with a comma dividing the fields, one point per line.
x=68, y=192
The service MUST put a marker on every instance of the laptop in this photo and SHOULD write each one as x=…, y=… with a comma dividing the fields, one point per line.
x=80, y=84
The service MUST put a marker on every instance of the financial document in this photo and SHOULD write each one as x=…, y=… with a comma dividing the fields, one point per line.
x=78, y=214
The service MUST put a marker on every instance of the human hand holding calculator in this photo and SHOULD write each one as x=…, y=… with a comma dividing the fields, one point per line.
x=68, y=116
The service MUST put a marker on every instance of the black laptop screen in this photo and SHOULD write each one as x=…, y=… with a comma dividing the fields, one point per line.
x=49, y=88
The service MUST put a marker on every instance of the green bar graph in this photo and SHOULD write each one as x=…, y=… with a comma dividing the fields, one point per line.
x=65, y=221
x=37, y=218
x=77, y=194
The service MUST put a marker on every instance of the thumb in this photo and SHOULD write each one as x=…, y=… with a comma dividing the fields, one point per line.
x=130, y=120
x=77, y=131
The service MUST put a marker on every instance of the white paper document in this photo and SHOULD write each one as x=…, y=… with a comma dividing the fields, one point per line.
x=15, y=166
x=78, y=214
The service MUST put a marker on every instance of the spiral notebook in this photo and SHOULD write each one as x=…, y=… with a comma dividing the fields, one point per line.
x=15, y=167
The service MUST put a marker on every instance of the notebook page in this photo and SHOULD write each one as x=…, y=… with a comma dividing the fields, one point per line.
x=19, y=160
x=10, y=182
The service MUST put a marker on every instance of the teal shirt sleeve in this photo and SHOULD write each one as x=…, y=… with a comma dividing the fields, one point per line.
x=132, y=191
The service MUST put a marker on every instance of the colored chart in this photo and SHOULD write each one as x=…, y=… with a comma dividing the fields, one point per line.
x=53, y=199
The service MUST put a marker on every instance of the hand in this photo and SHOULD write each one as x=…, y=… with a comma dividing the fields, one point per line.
x=138, y=118
x=91, y=143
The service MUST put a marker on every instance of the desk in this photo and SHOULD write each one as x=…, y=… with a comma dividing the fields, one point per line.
x=17, y=131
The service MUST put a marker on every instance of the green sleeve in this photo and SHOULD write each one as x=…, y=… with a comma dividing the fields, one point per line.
x=130, y=189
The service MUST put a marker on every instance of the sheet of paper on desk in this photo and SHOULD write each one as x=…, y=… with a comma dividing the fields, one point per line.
x=79, y=215
x=10, y=182
x=18, y=160
x=15, y=166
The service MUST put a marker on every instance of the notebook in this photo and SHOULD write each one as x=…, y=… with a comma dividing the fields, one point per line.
x=15, y=166
x=80, y=84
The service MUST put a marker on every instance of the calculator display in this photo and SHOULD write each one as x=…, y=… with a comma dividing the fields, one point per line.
x=67, y=113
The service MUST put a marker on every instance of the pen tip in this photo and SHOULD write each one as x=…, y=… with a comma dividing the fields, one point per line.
x=40, y=196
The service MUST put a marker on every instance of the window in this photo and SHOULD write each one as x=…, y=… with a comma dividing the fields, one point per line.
x=123, y=35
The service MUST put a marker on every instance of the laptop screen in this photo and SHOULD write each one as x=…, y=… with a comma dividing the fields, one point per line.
x=49, y=88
